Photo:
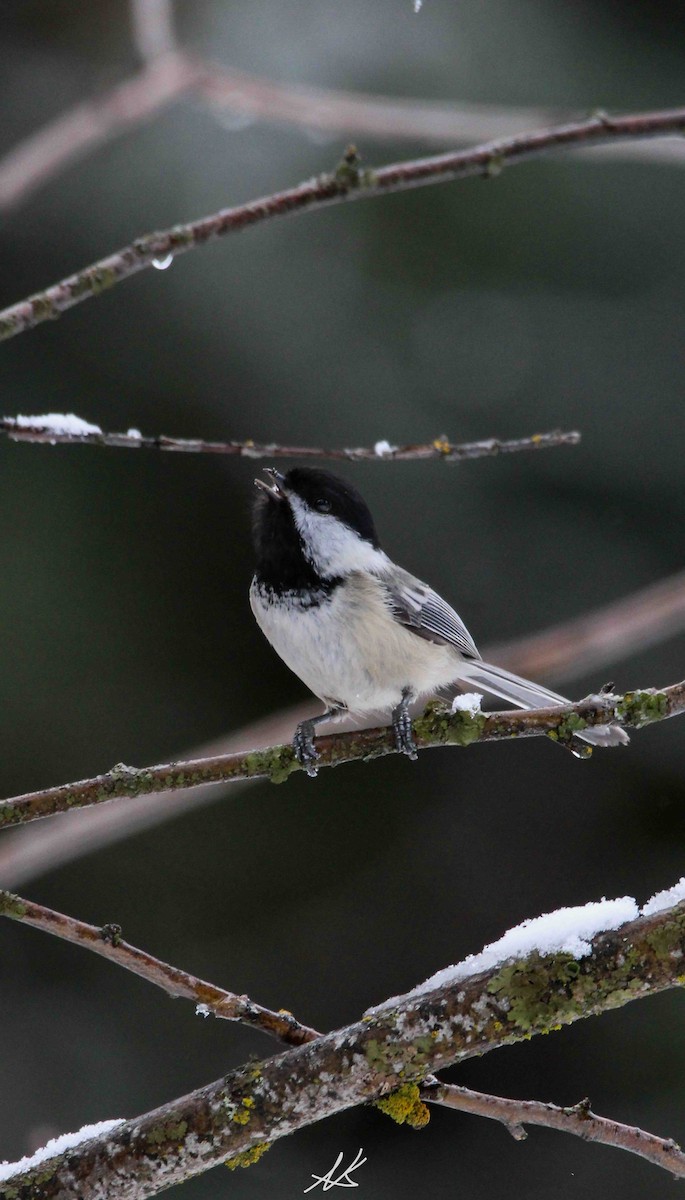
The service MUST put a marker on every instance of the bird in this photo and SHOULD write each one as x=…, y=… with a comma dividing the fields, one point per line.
x=361, y=632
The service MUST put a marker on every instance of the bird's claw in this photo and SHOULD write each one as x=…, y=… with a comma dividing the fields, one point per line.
x=305, y=750
x=404, y=738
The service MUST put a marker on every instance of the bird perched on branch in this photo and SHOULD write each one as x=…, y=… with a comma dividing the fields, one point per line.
x=362, y=633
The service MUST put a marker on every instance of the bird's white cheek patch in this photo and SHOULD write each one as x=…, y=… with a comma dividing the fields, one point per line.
x=332, y=547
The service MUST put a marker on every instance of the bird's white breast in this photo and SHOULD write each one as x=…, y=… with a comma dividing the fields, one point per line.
x=348, y=648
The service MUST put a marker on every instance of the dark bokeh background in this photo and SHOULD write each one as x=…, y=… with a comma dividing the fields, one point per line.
x=551, y=297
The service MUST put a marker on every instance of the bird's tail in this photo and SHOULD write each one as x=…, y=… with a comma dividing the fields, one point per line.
x=525, y=694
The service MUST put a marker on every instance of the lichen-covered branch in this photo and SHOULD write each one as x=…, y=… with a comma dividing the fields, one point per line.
x=578, y=1119
x=108, y=941
x=347, y=182
x=22, y=430
x=564, y=651
x=391, y=1050
x=437, y=726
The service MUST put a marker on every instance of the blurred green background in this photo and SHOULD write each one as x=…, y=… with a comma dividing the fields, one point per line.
x=552, y=296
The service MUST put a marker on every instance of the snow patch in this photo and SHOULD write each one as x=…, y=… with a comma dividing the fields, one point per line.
x=468, y=702
x=567, y=931
x=58, y=1145
x=57, y=423
x=382, y=448
x=665, y=899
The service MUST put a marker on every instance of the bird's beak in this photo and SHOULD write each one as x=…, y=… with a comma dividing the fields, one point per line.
x=277, y=488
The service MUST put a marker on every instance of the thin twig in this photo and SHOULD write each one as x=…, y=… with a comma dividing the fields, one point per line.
x=152, y=26
x=346, y=182
x=78, y=132
x=365, y=115
x=108, y=941
x=436, y=727
x=604, y=636
x=168, y=77
x=20, y=430
x=578, y=1119
x=391, y=1050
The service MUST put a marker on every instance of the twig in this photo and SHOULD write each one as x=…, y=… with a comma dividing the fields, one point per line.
x=108, y=942
x=30, y=850
x=390, y=1050
x=598, y=638
x=359, y=114
x=153, y=28
x=19, y=430
x=363, y=114
x=642, y=619
x=347, y=182
x=436, y=727
x=578, y=1119
x=82, y=129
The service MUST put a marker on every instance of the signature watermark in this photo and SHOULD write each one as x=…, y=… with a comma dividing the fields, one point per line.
x=331, y=1180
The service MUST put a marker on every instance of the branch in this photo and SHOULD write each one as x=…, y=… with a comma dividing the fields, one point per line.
x=606, y=635
x=109, y=943
x=47, y=430
x=170, y=74
x=153, y=28
x=391, y=1050
x=578, y=1119
x=347, y=182
x=82, y=129
x=437, y=726
x=363, y=114
x=642, y=619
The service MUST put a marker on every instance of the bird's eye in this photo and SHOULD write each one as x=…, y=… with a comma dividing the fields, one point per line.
x=322, y=505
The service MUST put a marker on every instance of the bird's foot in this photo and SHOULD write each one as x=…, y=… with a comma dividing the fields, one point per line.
x=401, y=726
x=305, y=750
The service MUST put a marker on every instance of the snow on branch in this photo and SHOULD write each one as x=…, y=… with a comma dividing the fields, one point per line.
x=529, y=986
x=348, y=181
x=437, y=726
x=68, y=429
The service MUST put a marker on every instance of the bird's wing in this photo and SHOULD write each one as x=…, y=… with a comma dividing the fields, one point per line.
x=419, y=608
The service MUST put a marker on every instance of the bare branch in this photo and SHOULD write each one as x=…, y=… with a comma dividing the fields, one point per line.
x=436, y=727
x=82, y=129
x=347, y=182
x=153, y=28
x=359, y=114
x=363, y=114
x=603, y=636
x=108, y=941
x=171, y=74
x=21, y=430
x=578, y=1119
x=391, y=1049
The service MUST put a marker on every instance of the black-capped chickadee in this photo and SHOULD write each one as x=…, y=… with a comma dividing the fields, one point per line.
x=362, y=633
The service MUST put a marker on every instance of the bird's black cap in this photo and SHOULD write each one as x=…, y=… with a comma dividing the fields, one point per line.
x=281, y=561
x=324, y=492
